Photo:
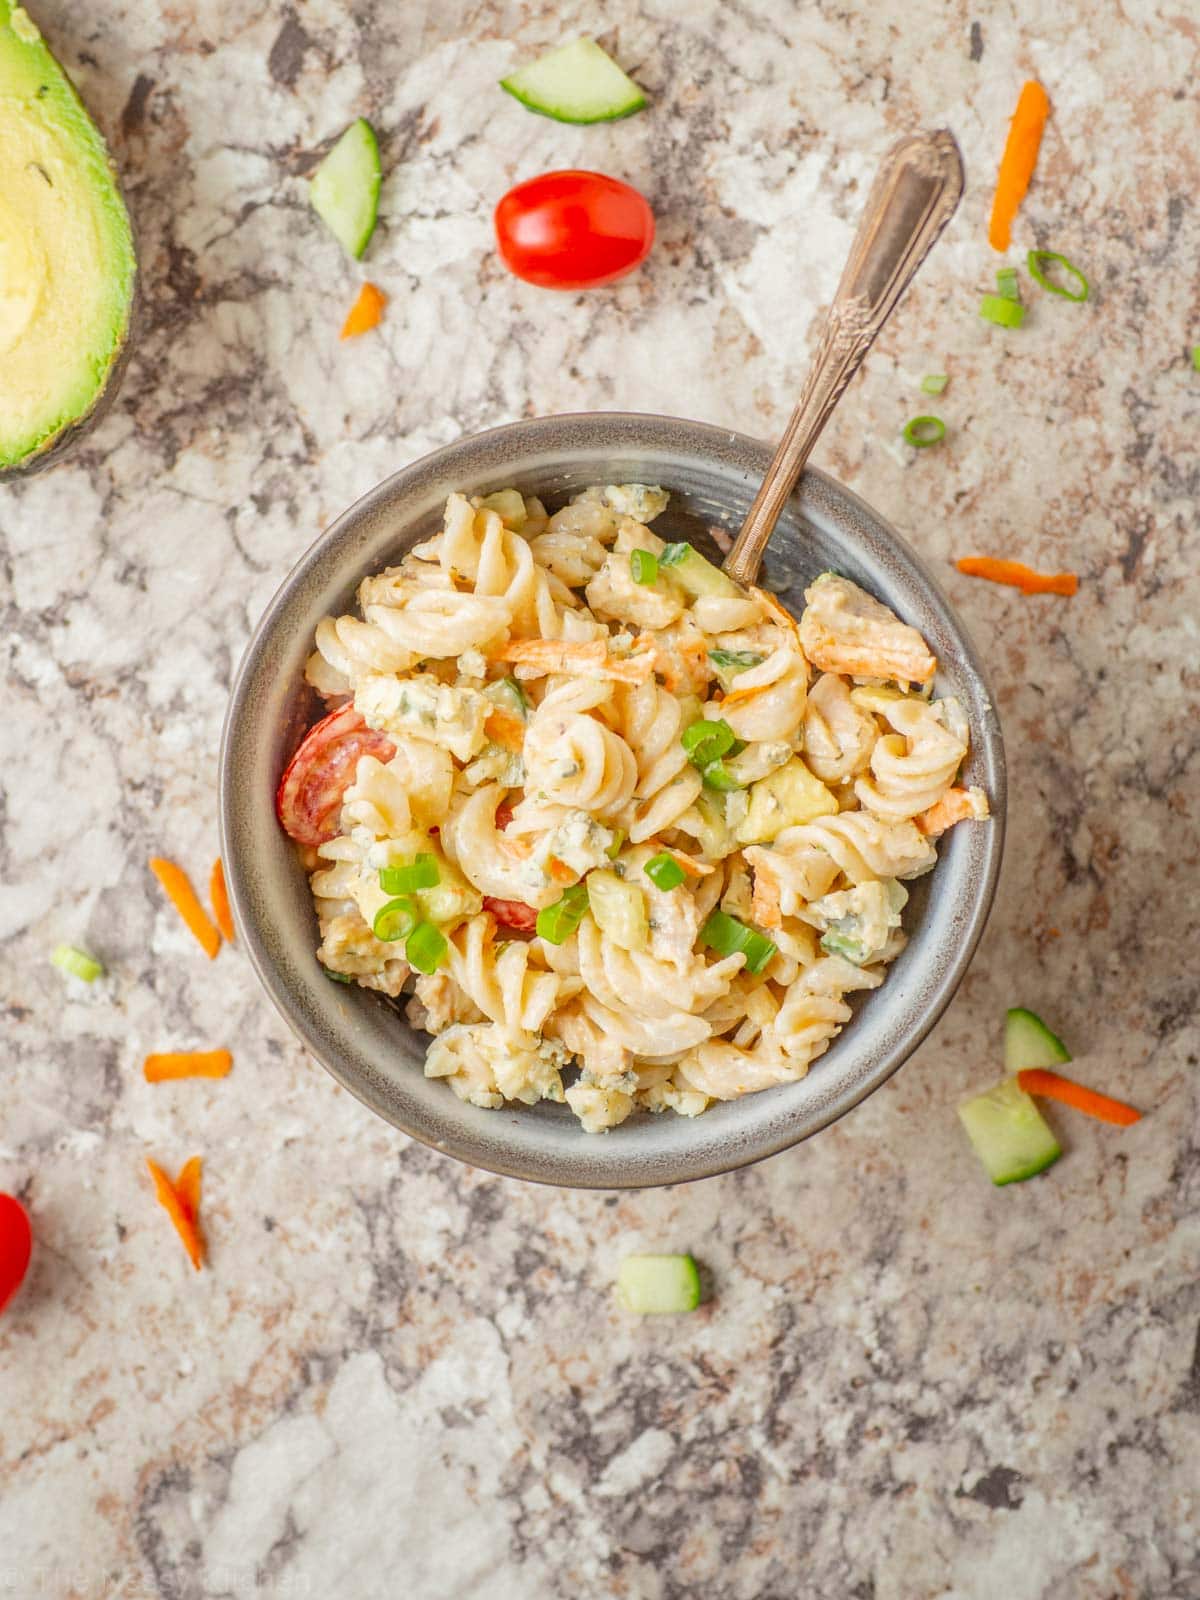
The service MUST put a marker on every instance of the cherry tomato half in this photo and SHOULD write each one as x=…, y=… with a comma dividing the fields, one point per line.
x=16, y=1241
x=573, y=230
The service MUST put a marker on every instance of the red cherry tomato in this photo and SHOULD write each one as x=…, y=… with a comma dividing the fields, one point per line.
x=512, y=913
x=16, y=1242
x=322, y=769
x=573, y=230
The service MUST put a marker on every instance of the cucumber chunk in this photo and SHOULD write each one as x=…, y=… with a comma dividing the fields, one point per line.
x=577, y=82
x=619, y=909
x=696, y=575
x=653, y=1285
x=1009, y=1133
x=344, y=190
x=1028, y=1042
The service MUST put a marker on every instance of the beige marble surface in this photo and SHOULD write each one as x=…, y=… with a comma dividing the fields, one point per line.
x=404, y=1377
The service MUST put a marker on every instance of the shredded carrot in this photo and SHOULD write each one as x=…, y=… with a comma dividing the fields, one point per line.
x=1017, y=164
x=582, y=659
x=187, y=1064
x=776, y=610
x=182, y=1205
x=220, y=900
x=559, y=872
x=183, y=897
x=187, y=1187
x=693, y=868
x=956, y=805
x=366, y=312
x=1018, y=575
x=505, y=728
x=1036, y=1080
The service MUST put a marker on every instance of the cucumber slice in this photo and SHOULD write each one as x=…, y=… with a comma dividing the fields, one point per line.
x=1028, y=1042
x=696, y=575
x=1009, y=1133
x=653, y=1285
x=344, y=190
x=509, y=696
x=577, y=82
x=619, y=909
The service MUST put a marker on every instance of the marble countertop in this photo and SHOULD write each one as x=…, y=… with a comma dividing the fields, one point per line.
x=401, y=1376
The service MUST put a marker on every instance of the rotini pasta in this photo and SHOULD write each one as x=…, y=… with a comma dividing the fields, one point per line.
x=627, y=852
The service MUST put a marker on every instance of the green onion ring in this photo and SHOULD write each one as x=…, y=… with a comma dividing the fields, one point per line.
x=1035, y=259
x=924, y=431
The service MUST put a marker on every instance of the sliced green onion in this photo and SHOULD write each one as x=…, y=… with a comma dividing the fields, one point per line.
x=1035, y=259
x=643, y=566
x=1004, y=313
x=924, y=431
x=419, y=874
x=1196, y=357
x=614, y=849
x=337, y=977
x=727, y=936
x=558, y=922
x=707, y=741
x=426, y=948
x=934, y=382
x=664, y=871
x=76, y=962
x=735, y=660
x=718, y=776
x=1006, y=282
x=673, y=554
x=396, y=920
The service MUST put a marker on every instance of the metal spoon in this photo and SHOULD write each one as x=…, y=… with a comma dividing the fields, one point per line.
x=912, y=199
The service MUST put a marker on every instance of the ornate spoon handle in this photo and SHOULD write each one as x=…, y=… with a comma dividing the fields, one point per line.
x=913, y=197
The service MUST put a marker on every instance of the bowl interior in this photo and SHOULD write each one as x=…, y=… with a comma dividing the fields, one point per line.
x=362, y=1038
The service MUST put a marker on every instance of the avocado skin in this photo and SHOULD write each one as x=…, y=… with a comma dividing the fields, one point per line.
x=60, y=444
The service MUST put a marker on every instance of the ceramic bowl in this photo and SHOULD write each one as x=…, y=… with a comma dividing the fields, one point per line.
x=361, y=1037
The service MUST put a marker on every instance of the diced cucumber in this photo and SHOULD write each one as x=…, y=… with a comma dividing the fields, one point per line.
x=509, y=506
x=658, y=1285
x=508, y=694
x=1028, y=1042
x=695, y=575
x=784, y=799
x=1010, y=1135
x=451, y=899
x=728, y=663
x=344, y=190
x=619, y=909
x=712, y=832
x=577, y=82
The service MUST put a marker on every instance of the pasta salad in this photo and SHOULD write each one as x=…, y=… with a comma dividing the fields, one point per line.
x=624, y=833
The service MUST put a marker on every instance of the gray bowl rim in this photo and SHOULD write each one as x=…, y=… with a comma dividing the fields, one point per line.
x=614, y=1161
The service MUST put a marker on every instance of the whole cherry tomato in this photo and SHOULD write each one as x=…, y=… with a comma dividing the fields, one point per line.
x=573, y=230
x=16, y=1241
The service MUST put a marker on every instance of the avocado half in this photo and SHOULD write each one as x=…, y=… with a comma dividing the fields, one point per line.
x=68, y=269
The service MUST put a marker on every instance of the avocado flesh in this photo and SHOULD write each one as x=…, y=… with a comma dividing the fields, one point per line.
x=67, y=263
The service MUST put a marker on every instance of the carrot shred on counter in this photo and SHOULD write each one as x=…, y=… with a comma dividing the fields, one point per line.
x=1037, y=1080
x=187, y=1187
x=220, y=900
x=183, y=897
x=187, y=1064
x=366, y=312
x=181, y=1202
x=1017, y=163
x=1018, y=576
